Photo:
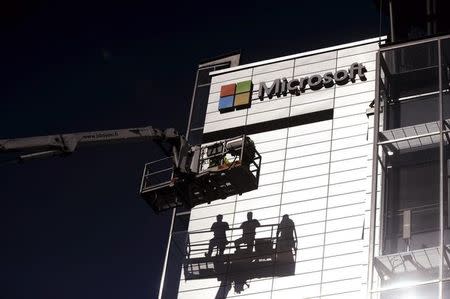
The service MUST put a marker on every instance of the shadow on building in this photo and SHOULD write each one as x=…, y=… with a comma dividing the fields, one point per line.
x=253, y=251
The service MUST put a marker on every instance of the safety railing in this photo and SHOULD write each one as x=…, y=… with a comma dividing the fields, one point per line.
x=266, y=241
x=157, y=173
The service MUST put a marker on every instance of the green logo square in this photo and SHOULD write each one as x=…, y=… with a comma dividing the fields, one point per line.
x=245, y=86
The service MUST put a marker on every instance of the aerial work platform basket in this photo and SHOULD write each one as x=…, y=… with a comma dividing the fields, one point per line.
x=270, y=256
x=215, y=171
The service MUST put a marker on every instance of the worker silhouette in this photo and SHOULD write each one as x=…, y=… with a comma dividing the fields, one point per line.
x=220, y=239
x=285, y=234
x=248, y=233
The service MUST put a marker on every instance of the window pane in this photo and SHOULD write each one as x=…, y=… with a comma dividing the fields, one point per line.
x=200, y=105
x=222, y=66
x=410, y=84
x=410, y=238
x=203, y=76
x=424, y=291
x=195, y=136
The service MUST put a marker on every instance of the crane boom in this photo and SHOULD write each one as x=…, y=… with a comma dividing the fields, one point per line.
x=193, y=174
x=60, y=144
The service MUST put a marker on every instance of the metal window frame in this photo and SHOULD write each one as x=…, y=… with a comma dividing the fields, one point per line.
x=375, y=158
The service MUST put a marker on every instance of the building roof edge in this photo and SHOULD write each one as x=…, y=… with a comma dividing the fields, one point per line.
x=293, y=56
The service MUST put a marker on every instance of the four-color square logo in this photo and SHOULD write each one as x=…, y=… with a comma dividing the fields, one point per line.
x=235, y=96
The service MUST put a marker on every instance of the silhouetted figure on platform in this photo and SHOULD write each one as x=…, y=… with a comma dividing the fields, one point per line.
x=285, y=234
x=248, y=233
x=285, y=263
x=220, y=238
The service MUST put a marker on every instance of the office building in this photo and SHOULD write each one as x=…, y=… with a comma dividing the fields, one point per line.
x=353, y=190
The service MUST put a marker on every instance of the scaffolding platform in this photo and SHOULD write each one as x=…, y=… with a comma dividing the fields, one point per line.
x=268, y=258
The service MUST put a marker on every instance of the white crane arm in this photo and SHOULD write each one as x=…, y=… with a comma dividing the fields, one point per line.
x=60, y=144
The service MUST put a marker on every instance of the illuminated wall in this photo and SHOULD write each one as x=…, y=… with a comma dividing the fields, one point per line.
x=317, y=170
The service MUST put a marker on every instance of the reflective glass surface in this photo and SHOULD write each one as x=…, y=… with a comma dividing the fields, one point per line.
x=412, y=236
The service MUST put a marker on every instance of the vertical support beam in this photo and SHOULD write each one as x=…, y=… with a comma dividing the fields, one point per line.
x=373, y=198
x=384, y=170
x=428, y=4
x=188, y=130
x=166, y=257
x=391, y=19
x=441, y=173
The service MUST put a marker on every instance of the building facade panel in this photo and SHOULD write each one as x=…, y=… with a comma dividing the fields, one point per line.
x=315, y=153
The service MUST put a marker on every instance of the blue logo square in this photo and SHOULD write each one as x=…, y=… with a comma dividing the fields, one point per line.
x=226, y=104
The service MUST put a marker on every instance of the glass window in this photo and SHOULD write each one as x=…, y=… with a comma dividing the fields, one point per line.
x=222, y=66
x=411, y=292
x=412, y=201
x=200, y=105
x=203, y=76
x=409, y=85
x=417, y=110
x=196, y=136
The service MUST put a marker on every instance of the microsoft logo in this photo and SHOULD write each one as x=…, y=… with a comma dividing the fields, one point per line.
x=239, y=95
x=235, y=96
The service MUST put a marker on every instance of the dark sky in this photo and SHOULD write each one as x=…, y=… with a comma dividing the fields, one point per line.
x=76, y=227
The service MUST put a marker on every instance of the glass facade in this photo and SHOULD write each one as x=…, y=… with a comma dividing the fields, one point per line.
x=409, y=235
